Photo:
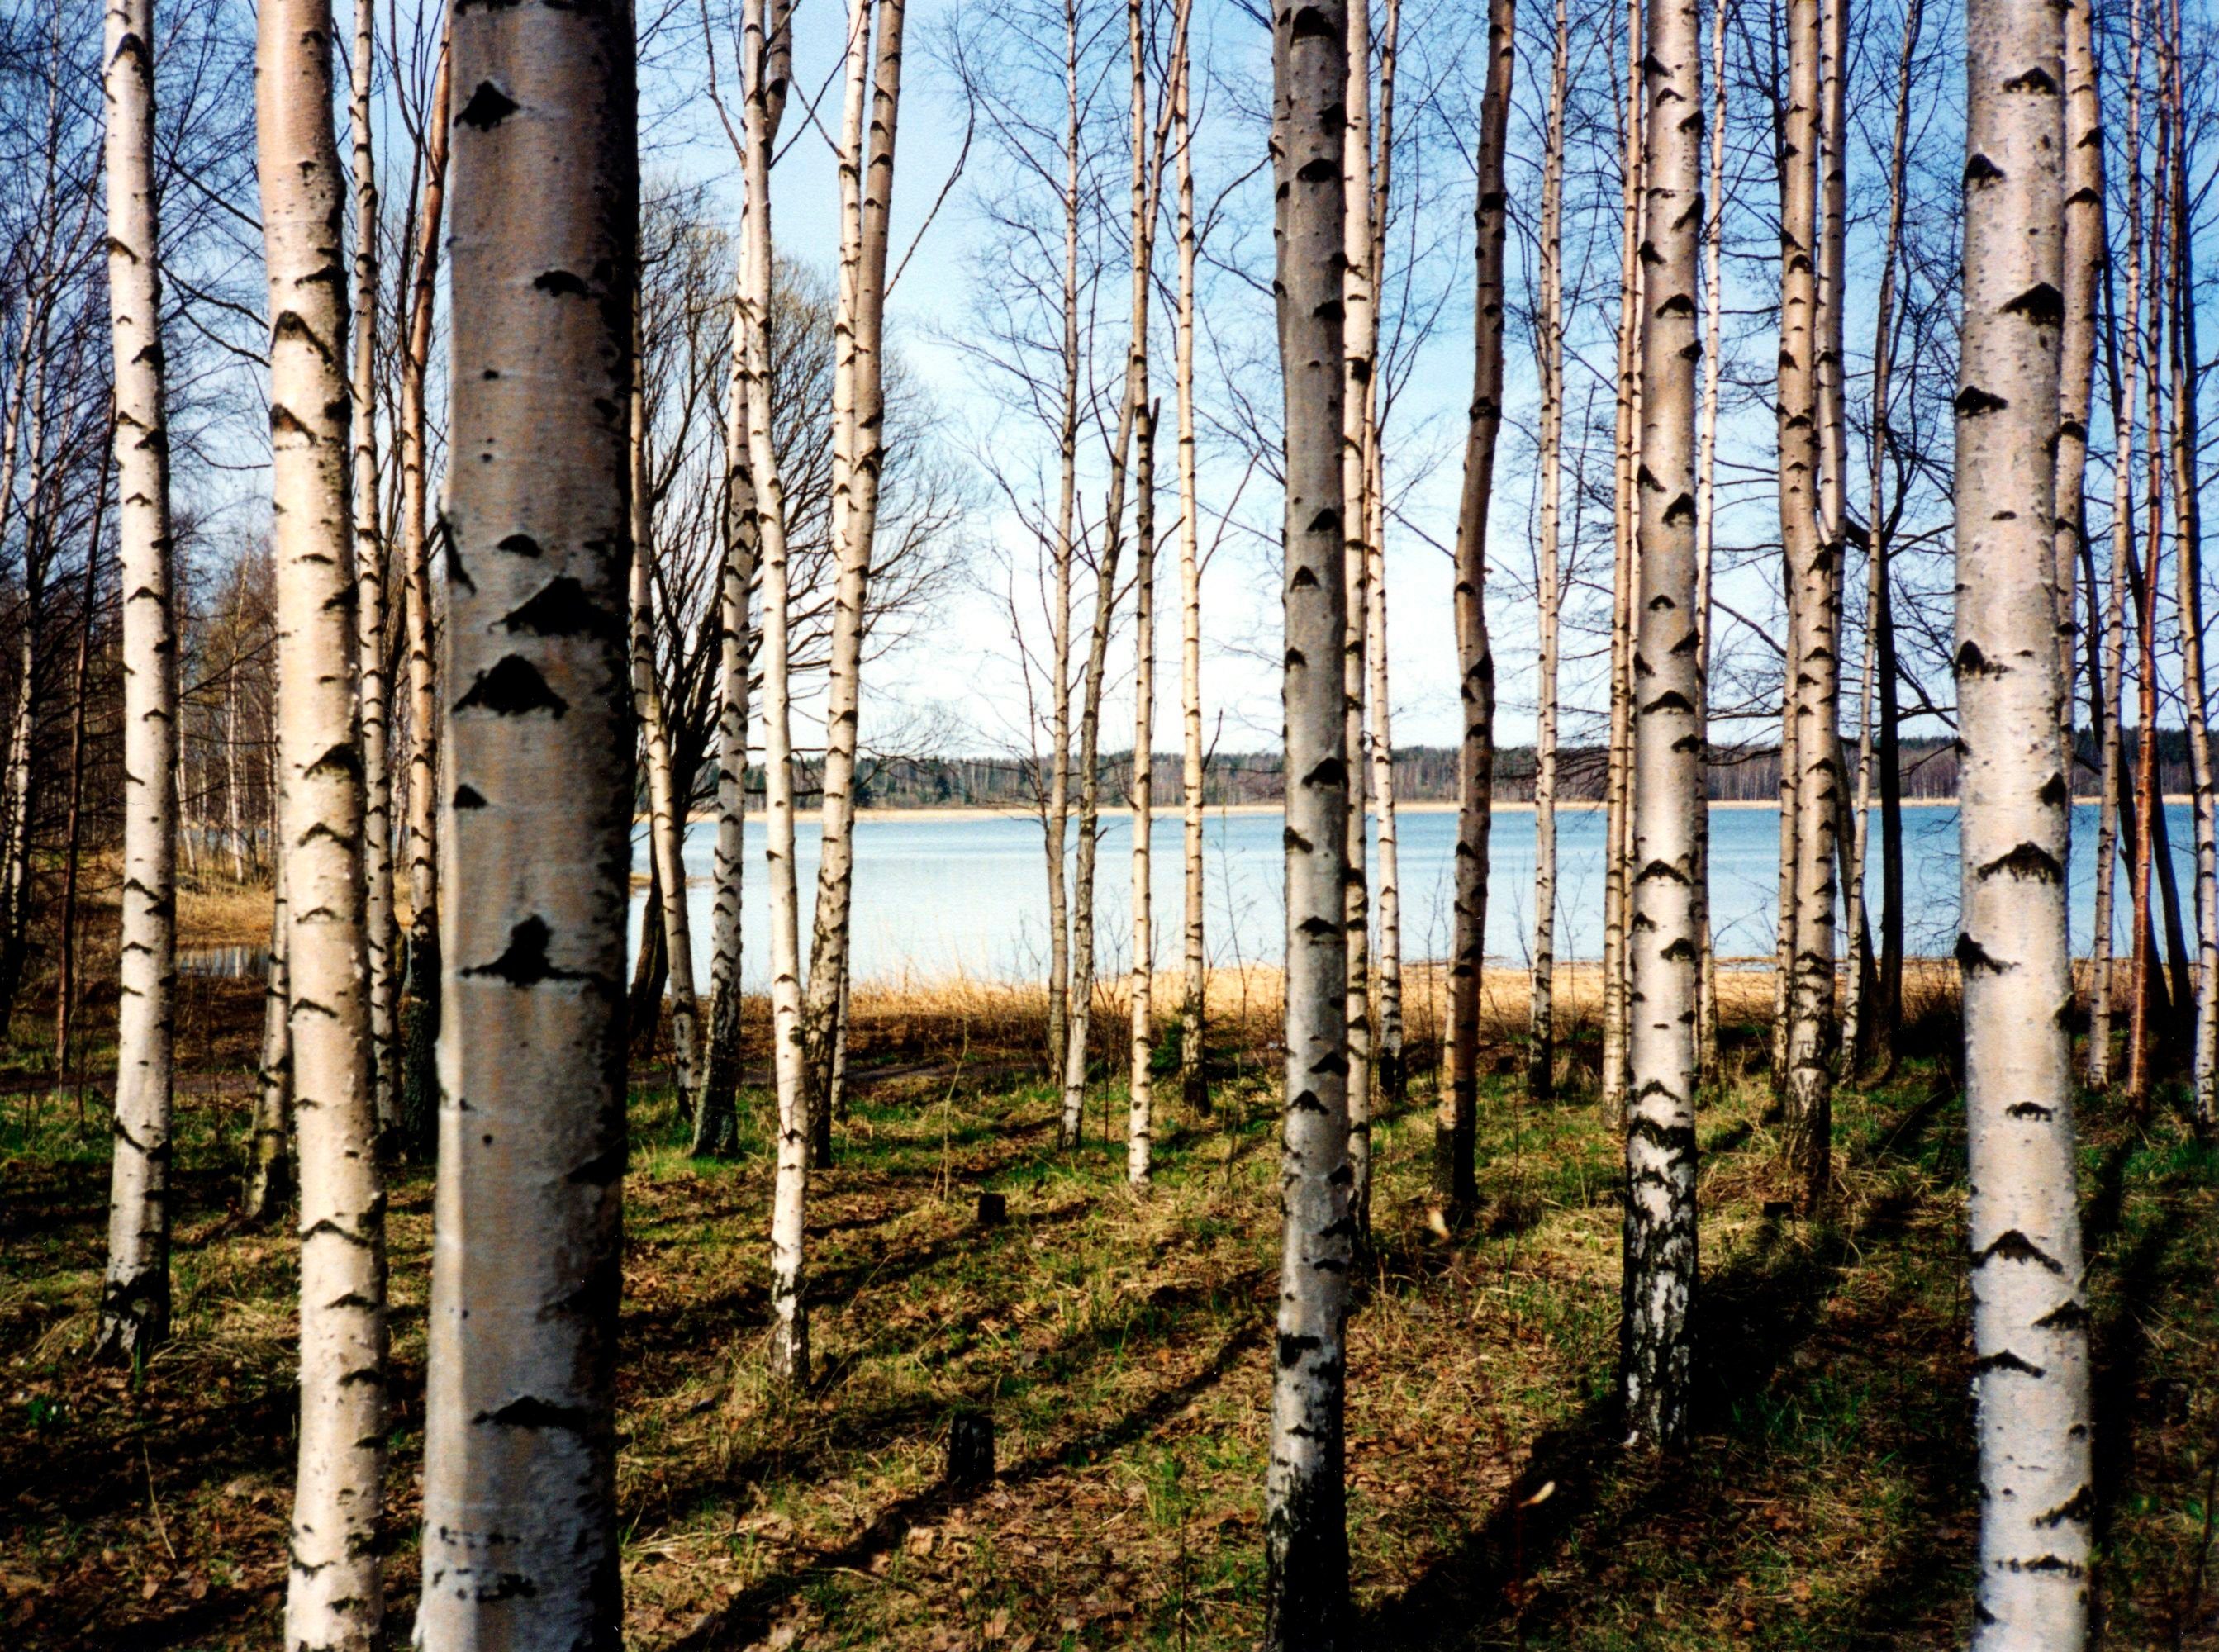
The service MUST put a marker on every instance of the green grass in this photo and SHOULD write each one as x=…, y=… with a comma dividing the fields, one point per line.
x=1119, y=1343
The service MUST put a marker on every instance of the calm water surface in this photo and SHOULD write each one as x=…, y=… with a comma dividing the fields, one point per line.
x=947, y=895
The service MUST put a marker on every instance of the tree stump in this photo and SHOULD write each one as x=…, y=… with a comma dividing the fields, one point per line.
x=993, y=1209
x=971, y=1445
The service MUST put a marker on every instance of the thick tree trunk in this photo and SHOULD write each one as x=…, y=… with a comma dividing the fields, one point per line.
x=1306, y=1534
x=1541, y=1013
x=855, y=519
x=270, y=1150
x=1455, y=1186
x=370, y=603
x=1663, y=946
x=520, y=1524
x=337, y=1595
x=135, y=1297
x=1194, y=1077
x=420, y=1082
x=2030, y=1308
x=667, y=792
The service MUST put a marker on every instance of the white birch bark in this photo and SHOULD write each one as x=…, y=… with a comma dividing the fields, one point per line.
x=666, y=809
x=419, y=1080
x=2125, y=400
x=2030, y=1306
x=1663, y=951
x=520, y=1529
x=371, y=601
x=1541, y=1012
x=715, y=1119
x=1456, y=1122
x=270, y=1152
x=1358, y=330
x=789, y=1340
x=1306, y=1537
x=1706, y=453
x=1057, y=819
x=135, y=1297
x=1812, y=781
x=1140, y=1113
x=336, y=1598
x=854, y=523
x=1194, y=1078
x=1387, y=895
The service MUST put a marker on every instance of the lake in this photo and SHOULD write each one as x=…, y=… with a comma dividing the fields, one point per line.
x=938, y=895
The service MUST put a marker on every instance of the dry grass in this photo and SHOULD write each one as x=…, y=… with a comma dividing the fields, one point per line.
x=1120, y=1344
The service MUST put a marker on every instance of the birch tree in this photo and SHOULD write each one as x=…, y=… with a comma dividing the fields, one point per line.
x=1455, y=1126
x=1306, y=1534
x=1664, y=955
x=1812, y=673
x=666, y=828
x=135, y=1297
x=421, y=1081
x=2029, y=1305
x=371, y=605
x=336, y=1597
x=519, y=1471
x=1358, y=332
x=854, y=523
x=715, y=1124
x=1139, y=1089
x=1541, y=1010
x=1194, y=997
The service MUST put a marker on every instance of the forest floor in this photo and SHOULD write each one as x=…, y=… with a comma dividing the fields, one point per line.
x=1120, y=1346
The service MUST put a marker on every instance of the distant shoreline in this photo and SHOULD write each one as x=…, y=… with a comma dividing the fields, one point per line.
x=1174, y=811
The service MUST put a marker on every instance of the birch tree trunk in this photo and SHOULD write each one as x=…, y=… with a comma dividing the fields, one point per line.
x=1358, y=329
x=1306, y=1535
x=420, y=1082
x=370, y=605
x=1090, y=786
x=1860, y=1019
x=1139, y=1121
x=666, y=809
x=1541, y=1009
x=2142, y=576
x=2030, y=1308
x=1058, y=818
x=1626, y=547
x=789, y=1344
x=1387, y=979
x=1706, y=454
x=519, y=1474
x=1455, y=1187
x=337, y=1597
x=715, y=1123
x=1193, y=1077
x=2083, y=254
x=270, y=1151
x=2187, y=370
x=855, y=520
x=1812, y=662
x=1665, y=952
x=1141, y=1097
x=135, y=1297
x=2107, y=682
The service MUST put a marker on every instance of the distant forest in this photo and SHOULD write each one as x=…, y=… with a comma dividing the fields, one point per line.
x=1422, y=774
